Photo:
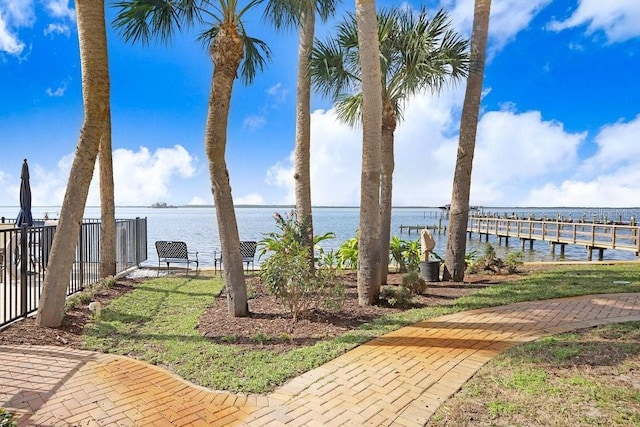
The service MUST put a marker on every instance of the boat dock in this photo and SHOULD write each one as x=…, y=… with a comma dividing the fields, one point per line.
x=592, y=235
x=417, y=228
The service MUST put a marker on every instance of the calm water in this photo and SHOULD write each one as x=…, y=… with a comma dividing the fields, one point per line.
x=197, y=226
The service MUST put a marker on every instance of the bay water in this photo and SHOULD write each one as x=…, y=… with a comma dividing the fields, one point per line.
x=198, y=227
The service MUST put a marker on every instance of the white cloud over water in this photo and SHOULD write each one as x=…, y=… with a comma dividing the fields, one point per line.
x=521, y=160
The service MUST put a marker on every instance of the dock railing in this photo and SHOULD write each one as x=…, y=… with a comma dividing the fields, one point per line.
x=592, y=235
x=24, y=255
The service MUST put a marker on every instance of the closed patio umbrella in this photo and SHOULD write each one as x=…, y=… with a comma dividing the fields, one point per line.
x=24, y=216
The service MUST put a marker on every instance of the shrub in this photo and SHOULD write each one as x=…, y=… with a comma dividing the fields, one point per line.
x=513, y=261
x=397, y=296
x=347, y=254
x=405, y=253
x=290, y=276
x=491, y=262
x=413, y=282
x=6, y=419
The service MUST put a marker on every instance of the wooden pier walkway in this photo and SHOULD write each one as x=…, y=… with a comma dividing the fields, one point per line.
x=598, y=236
x=417, y=228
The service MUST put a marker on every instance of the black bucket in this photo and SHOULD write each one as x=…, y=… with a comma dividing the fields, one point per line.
x=430, y=271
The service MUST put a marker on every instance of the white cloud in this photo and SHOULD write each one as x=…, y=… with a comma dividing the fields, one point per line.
x=9, y=42
x=60, y=90
x=611, y=177
x=507, y=19
x=57, y=28
x=421, y=149
x=249, y=199
x=48, y=186
x=254, y=122
x=14, y=14
x=516, y=153
x=145, y=177
x=19, y=12
x=278, y=92
x=617, y=148
x=199, y=201
x=141, y=177
x=60, y=9
x=619, y=19
x=335, y=164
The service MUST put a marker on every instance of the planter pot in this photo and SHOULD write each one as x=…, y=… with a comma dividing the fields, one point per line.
x=430, y=271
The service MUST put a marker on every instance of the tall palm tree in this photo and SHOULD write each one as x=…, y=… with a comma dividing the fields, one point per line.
x=369, y=225
x=107, y=204
x=303, y=14
x=95, y=93
x=459, y=211
x=415, y=53
x=231, y=49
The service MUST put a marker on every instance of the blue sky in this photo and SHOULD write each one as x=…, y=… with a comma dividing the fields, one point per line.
x=559, y=125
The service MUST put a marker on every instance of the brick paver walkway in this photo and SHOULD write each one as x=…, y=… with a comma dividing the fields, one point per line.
x=399, y=379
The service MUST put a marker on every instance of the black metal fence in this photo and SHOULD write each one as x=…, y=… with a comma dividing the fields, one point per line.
x=24, y=255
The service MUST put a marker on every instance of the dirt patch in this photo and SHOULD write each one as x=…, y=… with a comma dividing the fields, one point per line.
x=69, y=334
x=269, y=325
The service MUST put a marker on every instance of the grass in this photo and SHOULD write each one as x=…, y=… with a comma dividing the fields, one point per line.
x=157, y=323
x=583, y=378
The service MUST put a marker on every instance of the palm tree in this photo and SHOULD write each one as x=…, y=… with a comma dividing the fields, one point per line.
x=369, y=226
x=416, y=53
x=303, y=14
x=459, y=211
x=231, y=49
x=107, y=205
x=95, y=92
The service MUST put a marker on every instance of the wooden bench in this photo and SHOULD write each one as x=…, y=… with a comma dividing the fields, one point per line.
x=175, y=252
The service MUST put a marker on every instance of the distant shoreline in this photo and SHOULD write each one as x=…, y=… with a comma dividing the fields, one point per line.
x=344, y=207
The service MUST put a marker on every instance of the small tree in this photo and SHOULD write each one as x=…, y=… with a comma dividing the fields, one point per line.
x=288, y=274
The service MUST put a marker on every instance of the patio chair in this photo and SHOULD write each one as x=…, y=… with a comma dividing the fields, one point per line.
x=247, y=250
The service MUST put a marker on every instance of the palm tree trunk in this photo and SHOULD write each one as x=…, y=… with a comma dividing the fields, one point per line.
x=107, y=205
x=226, y=52
x=303, y=129
x=459, y=212
x=386, y=188
x=95, y=92
x=369, y=227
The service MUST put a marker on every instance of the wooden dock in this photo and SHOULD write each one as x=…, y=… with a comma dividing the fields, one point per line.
x=594, y=235
x=417, y=228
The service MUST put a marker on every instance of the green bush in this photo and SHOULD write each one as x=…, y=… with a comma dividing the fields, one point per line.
x=413, y=282
x=347, y=254
x=397, y=296
x=6, y=419
x=491, y=262
x=514, y=261
x=405, y=253
x=290, y=276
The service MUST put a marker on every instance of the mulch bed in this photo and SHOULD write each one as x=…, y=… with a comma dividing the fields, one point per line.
x=269, y=326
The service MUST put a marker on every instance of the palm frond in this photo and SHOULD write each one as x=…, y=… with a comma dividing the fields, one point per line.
x=330, y=74
x=141, y=20
x=349, y=109
x=256, y=56
x=285, y=14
